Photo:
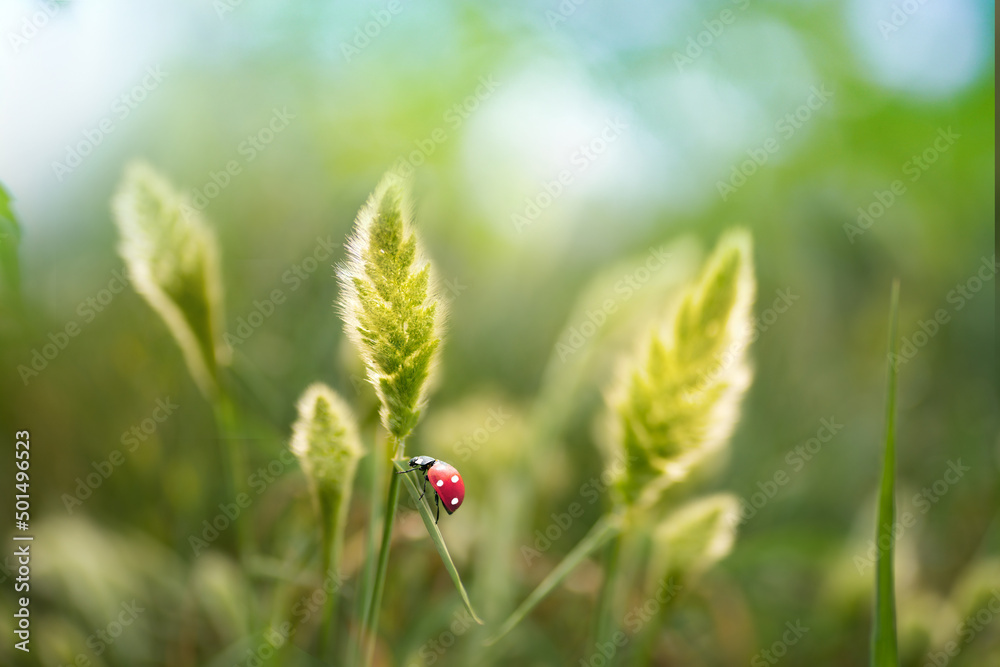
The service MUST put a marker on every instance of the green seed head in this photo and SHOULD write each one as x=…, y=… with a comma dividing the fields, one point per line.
x=325, y=440
x=678, y=401
x=173, y=261
x=695, y=537
x=390, y=307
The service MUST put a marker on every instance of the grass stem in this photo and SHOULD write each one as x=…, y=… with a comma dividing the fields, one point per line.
x=885, y=651
x=228, y=432
x=607, y=527
x=369, y=630
x=328, y=562
x=609, y=592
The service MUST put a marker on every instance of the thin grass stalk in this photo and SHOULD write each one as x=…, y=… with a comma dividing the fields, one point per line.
x=430, y=523
x=606, y=602
x=284, y=595
x=606, y=528
x=370, y=627
x=367, y=580
x=643, y=644
x=884, y=651
x=495, y=568
x=329, y=561
x=227, y=431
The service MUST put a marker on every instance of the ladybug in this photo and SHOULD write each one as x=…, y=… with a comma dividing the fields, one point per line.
x=445, y=480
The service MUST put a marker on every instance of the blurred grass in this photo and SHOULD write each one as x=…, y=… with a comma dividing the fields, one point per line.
x=514, y=296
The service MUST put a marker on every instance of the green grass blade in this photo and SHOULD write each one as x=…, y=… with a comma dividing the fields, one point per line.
x=884, y=649
x=436, y=537
x=10, y=236
x=607, y=527
x=610, y=588
x=370, y=624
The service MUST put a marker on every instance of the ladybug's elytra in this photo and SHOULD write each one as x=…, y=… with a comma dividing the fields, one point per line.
x=448, y=486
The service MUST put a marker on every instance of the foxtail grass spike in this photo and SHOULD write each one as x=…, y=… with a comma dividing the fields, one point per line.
x=392, y=314
x=390, y=307
x=173, y=261
x=326, y=442
x=678, y=401
x=694, y=537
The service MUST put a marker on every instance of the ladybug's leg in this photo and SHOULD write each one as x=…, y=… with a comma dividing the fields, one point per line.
x=424, y=489
x=437, y=506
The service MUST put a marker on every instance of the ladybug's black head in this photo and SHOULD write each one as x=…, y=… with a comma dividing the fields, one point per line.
x=422, y=462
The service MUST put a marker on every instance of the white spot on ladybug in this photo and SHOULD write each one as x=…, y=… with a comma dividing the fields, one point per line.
x=440, y=482
x=454, y=478
x=454, y=501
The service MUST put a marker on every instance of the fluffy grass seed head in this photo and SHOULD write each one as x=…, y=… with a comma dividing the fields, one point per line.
x=173, y=261
x=325, y=440
x=390, y=307
x=695, y=537
x=678, y=400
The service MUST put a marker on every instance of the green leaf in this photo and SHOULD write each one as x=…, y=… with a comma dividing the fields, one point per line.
x=10, y=236
x=436, y=537
x=885, y=652
x=5, y=212
x=606, y=528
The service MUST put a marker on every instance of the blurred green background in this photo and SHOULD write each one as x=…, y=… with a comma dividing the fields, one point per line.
x=854, y=139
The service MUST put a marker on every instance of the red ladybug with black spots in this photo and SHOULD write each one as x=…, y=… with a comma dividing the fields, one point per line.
x=449, y=489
